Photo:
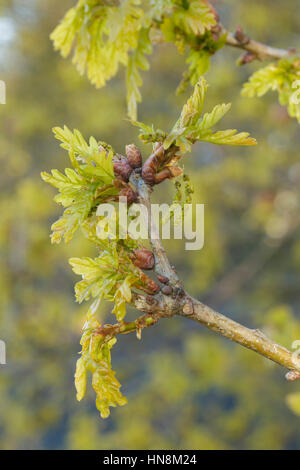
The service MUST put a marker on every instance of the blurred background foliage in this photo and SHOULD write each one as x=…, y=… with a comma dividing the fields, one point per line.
x=187, y=388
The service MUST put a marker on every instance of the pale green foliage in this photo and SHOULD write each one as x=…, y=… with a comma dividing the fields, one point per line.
x=198, y=59
x=97, y=163
x=193, y=17
x=102, y=278
x=99, y=275
x=198, y=62
x=137, y=60
x=282, y=77
x=196, y=18
x=148, y=134
x=76, y=195
x=107, y=34
x=192, y=126
x=183, y=195
x=103, y=36
x=81, y=190
x=184, y=374
x=184, y=190
x=77, y=190
x=112, y=274
x=96, y=358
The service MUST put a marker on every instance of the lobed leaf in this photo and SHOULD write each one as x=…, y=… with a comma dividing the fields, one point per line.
x=192, y=127
x=282, y=77
x=96, y=358
x=136, y=61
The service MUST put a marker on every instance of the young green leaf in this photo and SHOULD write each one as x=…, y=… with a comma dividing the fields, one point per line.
x=96, y=358
x=192, y=126
x=136, y=61
x=282, y=77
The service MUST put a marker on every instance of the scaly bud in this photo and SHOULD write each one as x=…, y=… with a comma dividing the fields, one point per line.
x=167, y=290
x=167, y=173
x=162, y=279
x=134, y=156
x=240, y=36
x=143, y=258
x=130, y=194
x=246, y=58
x=122, y=167
x=151, y=287
x=152, y=164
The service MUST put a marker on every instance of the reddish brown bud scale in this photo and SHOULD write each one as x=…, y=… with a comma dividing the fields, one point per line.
x=167, y=290
x=151, y=287
x=167, y=173
x=143, y=258
x=119, y=183
x=159, y=150
x=148, y=174
x=162, y=279
x=247, y=58
x=240, y=36
x=122, y=167
x=152, y=164
x=162, y=176
x=130, y=194
x=149, y=169
x=134, y=156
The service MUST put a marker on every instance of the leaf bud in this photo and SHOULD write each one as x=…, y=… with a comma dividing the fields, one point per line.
x=150, y=286
x=129, y=193
x=246, y=58
x=167, y=173
x=122, y=167
x=143, y=258
x=134, y=156
x=167, y=290
x=162, y=279
x=240, y=36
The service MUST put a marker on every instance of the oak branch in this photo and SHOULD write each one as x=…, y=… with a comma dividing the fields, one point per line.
x=179, y=302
